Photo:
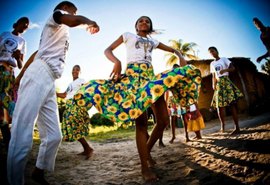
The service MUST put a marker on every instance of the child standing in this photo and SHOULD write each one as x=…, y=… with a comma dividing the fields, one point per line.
x=225, y=92
x=79, y=131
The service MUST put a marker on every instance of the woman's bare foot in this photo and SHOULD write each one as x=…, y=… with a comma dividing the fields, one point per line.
x=171, y=141
x=161, y=144
x=151, y=162
x=89, y=154
x=149, y=176
x=235, y=131
x=222, y=131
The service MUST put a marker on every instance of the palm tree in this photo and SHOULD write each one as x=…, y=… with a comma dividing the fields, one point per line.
x=187, y=50
x=266, y=67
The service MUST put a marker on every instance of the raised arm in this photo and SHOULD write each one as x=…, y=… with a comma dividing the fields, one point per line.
x=182, y=61
x=116, y=72
x=75, y=20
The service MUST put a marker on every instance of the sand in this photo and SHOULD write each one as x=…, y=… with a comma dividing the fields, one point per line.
x=216, y=159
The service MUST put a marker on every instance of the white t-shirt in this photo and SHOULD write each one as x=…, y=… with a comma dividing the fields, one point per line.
x=218, y=65
x=73, y=87
x=10, y=43
x=54, y=44
x=139, y=49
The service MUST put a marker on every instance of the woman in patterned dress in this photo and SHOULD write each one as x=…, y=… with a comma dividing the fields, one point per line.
x=12, y=50
x=126, y=97
x=74, y=132
x=225, y=92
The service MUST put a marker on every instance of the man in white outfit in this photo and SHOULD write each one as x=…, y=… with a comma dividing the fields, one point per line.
x=37, y=97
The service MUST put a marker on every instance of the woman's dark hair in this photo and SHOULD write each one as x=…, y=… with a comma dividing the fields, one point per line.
x=21, y=20
x=214, y=48
x=151, y=30
x=77, y=66
x=175, y=66
x=63, y=3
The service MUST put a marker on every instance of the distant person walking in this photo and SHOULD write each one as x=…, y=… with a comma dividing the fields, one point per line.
x=225, y=92
x=37, y=97
x=265, y=37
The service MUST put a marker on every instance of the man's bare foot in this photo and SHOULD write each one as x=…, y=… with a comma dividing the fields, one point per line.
x=149, y=176
x=235, y=131
x=38, y=176
x=171, y=141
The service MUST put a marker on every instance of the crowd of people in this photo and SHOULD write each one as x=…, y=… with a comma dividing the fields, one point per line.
x=30, y=98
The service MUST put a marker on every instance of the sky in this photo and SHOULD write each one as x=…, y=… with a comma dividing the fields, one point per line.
x=226, y=24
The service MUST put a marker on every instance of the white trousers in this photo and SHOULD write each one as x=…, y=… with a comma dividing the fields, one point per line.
x=36, y=103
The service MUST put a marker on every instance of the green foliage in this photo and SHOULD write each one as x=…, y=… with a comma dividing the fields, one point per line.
x=266, y=67
x=99, y=120
x=187, y=50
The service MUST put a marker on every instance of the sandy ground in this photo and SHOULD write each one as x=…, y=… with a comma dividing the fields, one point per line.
x=216, y=159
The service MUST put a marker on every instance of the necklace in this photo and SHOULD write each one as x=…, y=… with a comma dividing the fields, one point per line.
x=145, y=46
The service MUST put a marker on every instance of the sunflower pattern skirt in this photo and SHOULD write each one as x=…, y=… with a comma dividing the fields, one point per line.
x=75, y=130
x=7, y=92
x=226, y=93
x=138, y=89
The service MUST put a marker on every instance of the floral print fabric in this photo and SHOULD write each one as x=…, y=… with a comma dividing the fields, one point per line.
x=138, y=89
x=226, y=93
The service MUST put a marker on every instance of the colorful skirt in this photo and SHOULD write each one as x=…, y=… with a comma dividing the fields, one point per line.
x=138, y=89
x=75, y=130
x=7, y=90
x=226, y=93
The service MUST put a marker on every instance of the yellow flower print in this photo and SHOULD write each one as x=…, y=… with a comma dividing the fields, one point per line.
x=139, y=112
x=198, y=79
x=127, y=104
x=125, y=80
x=133, y=113
x=158, y=76
x=100, y=81
x=112, y=118
x=144, y=67
x=143, y=95
x=157, y=90
x=77, y=96
x=169, y=81
x=183, y=93
x=99, y=109
x=81, y=102
x=144, y=74
x=129, y=72
x=183, y=102
x=188, y=80
x=102, y=89
x=147, y=103
x=112, y=109
x=192, y=87
x=97, y=98
x=123, y=116
x=118, y=97
x=191, y=101
x=90, y=90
